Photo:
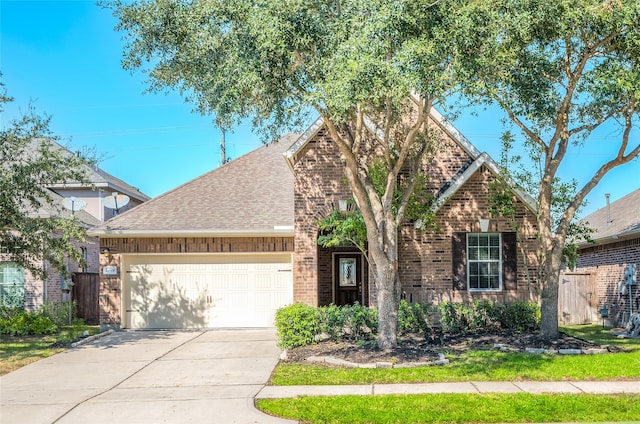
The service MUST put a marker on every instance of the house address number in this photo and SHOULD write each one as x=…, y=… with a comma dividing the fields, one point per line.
x=110, y=270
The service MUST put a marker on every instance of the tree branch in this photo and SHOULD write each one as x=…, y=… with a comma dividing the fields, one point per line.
x=533, y=136
x=620, y=159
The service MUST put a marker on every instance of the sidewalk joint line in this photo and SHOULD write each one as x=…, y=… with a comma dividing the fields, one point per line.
x=200, y=333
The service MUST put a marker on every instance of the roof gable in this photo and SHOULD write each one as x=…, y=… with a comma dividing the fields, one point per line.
x=99, y=178
x=459, y=181
x=447, y=127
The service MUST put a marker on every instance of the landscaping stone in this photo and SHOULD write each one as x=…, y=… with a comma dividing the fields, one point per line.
x=594, y=351
x=91, y=338
x=570, y=351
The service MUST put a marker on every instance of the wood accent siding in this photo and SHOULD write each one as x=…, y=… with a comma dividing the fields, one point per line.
x=198, y=245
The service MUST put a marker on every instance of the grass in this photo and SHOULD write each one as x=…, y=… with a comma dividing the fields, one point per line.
x=456, y=408
x=486, y=366
x=472, y=408
x=18, y=351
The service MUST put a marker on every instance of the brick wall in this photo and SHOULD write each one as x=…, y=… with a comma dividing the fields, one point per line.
x=319, y=183
x=425, y=266
x=426, y=256
x=609, y=262
x=111, y=286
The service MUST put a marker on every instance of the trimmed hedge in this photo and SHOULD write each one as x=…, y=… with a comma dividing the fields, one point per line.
x=482, y=314
x=300, y=324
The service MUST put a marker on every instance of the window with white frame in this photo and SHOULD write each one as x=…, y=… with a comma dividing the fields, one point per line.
x=484, y=261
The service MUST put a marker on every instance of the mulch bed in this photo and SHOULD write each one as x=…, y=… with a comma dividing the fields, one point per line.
x=423, y=349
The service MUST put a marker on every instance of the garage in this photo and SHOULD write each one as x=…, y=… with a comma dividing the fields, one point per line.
x=204, y=291
x=215, y=252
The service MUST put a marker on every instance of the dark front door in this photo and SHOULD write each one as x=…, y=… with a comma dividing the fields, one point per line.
x=347, y=278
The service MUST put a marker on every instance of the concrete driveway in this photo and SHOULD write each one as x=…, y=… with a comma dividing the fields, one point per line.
x=146, y=377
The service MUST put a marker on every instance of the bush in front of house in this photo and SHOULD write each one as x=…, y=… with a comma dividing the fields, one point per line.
x=352, y=322
x=519, y=316
x=485, y=315
x=413, y=318
x=25, y=323
x=300, y=325
x=16, y=320
x=297, y=325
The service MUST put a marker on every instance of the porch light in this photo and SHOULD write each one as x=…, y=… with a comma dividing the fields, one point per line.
x=105, y=251
x=484, y=225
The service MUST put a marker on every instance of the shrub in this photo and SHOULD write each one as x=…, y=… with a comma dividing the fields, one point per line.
x=412, y=318
x=453, y=316
x=26, y=323
x=482, y=314
x=61, y=313
x=297, y=325
x=349, y=322
x=332, y=321
x=519, y=316
x=360, y=322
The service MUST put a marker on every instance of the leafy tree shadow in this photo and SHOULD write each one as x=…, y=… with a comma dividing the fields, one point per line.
x=159, y=302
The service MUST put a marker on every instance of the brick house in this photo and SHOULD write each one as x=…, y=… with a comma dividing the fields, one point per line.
x=230, y=247
x=434, y=266
x=56, y=288
x=602, y=265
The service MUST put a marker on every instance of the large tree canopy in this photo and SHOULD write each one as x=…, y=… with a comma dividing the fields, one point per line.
x=34, y=230
x=560, y=70
x=364, y=66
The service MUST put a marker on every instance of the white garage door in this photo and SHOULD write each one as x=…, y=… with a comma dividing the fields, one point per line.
x=205, y=291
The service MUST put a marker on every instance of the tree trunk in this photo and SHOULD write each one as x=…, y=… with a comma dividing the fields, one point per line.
x=549, y=302
x=383, y=252
x=550, y=255
x=388, y=296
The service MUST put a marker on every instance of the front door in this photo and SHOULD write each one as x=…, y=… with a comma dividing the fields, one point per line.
x=347, y=278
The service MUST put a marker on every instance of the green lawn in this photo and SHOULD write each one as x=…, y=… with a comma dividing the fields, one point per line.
x=486, y=366
x=468, y=408
x=456, y=408
x=18, y=351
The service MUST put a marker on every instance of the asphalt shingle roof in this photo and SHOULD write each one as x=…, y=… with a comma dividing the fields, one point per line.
x=624, y=215
x=251, y=195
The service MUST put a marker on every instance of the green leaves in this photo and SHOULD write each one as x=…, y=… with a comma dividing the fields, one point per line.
x=343, y=229
x=32, y=227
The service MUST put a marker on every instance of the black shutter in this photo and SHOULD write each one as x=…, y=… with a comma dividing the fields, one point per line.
x=459, y=261
x=509, y=261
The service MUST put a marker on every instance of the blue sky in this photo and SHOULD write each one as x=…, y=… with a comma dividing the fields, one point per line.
x=64, y=57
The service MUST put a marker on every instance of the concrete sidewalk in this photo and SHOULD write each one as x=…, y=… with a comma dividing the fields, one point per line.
x=534, y=387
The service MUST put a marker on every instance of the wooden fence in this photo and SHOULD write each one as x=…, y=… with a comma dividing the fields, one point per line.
x=577, y=299
x=86, y=294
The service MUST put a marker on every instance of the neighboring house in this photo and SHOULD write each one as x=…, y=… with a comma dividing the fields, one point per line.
x=230, y=247
x=599, y=277
x=57, y=287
